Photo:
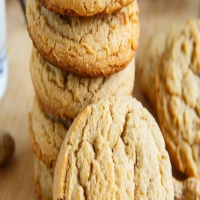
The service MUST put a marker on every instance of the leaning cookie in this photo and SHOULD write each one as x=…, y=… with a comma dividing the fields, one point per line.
x=66, y=95
x=47, y=134
x=43, y=178
x=178, y=98
x=84, y=8
x=89, y=47
x=114, y=149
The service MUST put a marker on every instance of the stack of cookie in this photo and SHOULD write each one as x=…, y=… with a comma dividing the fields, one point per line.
x=82, y=52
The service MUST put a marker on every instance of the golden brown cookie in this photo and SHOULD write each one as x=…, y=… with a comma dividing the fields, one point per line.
x=113, y=150
x=178, y=98
x=66, y=95
x=84, y=8
x=89, y=47
x=148, y=62
x=150, y=59
x=43, y=178
x=47, y=134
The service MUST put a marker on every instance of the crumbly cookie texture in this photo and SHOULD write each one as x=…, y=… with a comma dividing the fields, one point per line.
x=178, y=98
x=187, y=189
x=47, y=134
x=84, y=7
x=113, y=150
x=66, y=95
x=89, y=47
x=43, y=178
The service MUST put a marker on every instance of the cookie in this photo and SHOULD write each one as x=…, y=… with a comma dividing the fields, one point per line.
x=150, y=59
x=89, y=47
x=66, y=95
x=47, y=134
x=178, y=98
x=84, y=8
x=187, y=189
x=114, y=149
x=148, y=62
x=43, y=178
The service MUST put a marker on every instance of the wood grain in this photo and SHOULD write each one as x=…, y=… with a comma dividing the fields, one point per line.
x=16, y=176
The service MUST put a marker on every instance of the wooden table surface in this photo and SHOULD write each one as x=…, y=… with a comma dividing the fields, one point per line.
x=16, y=177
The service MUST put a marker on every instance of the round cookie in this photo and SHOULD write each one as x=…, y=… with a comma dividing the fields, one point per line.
x=47, y=134
x=89, y=47
x=114, y=149
x=66, y=95
x=84, y=8
x=43, y=178
x=178, y=98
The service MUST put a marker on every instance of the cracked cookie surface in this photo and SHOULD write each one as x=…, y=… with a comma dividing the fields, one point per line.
x=178, y=98
x=66, y=95
x=89, y=47
x=43, y=177
x=114, y=149
x=46, y=133
x=84, y=7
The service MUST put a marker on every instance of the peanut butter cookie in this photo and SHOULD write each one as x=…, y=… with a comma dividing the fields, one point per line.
x=43, y=178
x=188, y=189
x=89, y=47
x=84, y=8
x=114, y=149
x=149, y=61
x=66, y=95
x=47, y=134
x=178, y=98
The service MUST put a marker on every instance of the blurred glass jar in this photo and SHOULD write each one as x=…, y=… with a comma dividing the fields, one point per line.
x=3, y=49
